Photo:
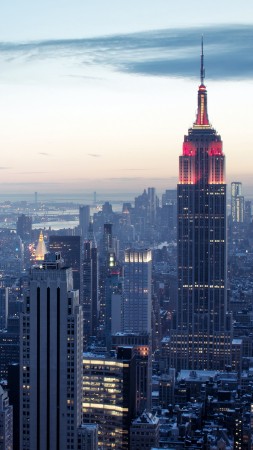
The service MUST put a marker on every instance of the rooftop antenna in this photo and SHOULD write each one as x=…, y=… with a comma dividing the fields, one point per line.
x=202, y=68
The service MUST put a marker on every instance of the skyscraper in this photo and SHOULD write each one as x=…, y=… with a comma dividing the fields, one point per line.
x=106, y=260
x=201, y=335
x=84, y=220
x=51, y=359
x=137, y=291
x=237, y=202
x=90, y=286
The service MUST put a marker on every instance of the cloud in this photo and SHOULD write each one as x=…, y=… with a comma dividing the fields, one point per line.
x=5, y=168
x=30, y=173
x=165, y=53
x=134, y=170
x=94, y=155
x=43, y=153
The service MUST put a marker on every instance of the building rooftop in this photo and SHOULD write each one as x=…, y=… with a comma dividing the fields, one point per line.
x=146, y=418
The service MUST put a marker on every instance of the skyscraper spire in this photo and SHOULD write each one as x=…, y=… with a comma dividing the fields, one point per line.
x=202, y=68
x=202, y=116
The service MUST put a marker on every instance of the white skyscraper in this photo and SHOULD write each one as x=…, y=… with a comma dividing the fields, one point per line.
x=237, y=202
x=137, y=291
x=51, y=359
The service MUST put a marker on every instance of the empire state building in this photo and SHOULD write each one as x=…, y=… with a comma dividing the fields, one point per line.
x=201, y=334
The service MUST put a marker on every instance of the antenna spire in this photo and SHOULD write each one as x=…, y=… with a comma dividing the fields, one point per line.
x=202, y=68
x=202, y=116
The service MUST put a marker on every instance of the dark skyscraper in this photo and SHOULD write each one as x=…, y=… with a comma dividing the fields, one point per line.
x=202, y=332
x=70, y=249
x=51, y=359
x=90, y=286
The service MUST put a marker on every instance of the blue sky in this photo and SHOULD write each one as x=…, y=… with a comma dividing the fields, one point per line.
x=98, y=95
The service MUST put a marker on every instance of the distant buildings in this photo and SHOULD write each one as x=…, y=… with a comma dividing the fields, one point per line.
x=4, y=307
x=6, y=421
x=84, y=220
x=24, y=227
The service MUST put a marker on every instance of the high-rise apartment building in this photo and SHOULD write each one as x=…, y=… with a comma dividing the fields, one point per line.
x=51, y=359
x=137, y=291
x=201, y=335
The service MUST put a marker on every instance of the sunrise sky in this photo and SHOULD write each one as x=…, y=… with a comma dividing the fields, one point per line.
x=97, y=95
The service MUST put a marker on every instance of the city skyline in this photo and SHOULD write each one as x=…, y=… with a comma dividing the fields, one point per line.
x=89, y=103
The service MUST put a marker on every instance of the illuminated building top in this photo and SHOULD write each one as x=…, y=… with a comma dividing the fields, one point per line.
x=202, y=116
x=41, y=248
x=203, y=161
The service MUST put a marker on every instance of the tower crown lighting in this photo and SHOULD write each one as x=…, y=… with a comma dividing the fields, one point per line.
x=202, y=116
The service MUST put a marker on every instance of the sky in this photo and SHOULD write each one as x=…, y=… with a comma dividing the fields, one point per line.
x=97, y=95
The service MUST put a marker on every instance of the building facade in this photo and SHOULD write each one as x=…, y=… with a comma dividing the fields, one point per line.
x=70, y=249
x=87, y=437
x=109, y=396
x=137, y=291
x=201, y=335
x=51, y=359
x=6, y=421
x=144, y=432
x=237, y=202
x=143, y=375
x=90, y=289
x=84, y=220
